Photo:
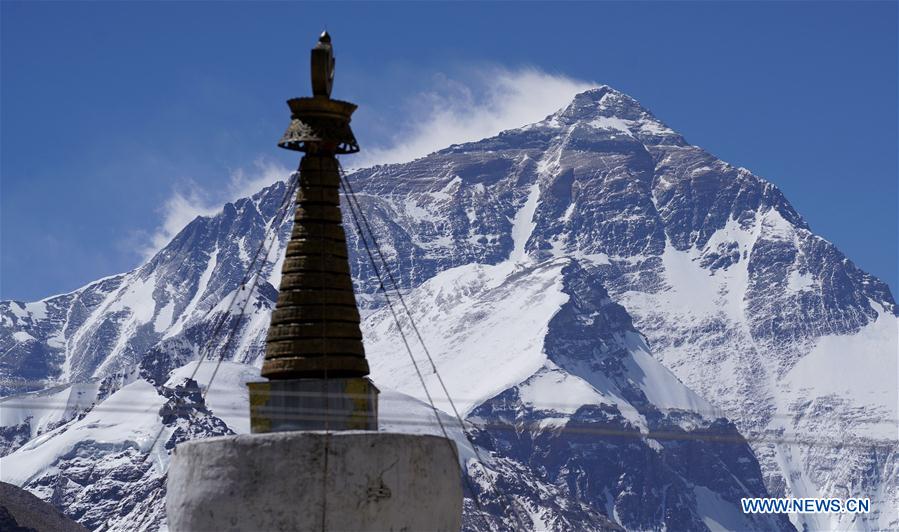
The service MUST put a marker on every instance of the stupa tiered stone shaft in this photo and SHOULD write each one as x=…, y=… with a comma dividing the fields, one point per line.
x=314, y=358
x=315, y=326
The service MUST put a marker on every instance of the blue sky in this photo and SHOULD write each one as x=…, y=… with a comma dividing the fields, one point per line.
x=120, y=121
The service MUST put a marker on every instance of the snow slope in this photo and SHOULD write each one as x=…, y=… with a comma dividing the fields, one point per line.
x=595, y=256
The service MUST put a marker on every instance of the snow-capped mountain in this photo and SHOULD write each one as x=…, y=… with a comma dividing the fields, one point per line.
x=600, y=297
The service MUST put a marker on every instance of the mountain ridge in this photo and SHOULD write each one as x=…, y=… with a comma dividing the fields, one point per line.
x=713, y=267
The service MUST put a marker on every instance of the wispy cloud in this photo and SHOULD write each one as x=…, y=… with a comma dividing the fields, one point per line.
x=246, y=182
x=178, y=210
x=488, y=101
x=478, y=104
x=190, y=200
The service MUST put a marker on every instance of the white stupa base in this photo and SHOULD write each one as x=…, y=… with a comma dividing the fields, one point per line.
x=278, y=481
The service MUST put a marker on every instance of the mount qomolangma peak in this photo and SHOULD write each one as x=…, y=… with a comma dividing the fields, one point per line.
x=638, y=333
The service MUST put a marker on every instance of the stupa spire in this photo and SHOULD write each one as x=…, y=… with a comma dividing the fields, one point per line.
x=316, y=460
x=314, y=343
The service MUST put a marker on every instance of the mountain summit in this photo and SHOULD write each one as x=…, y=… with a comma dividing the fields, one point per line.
x=638, y=333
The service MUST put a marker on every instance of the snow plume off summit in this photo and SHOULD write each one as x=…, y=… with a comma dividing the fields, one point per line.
x=639, y=334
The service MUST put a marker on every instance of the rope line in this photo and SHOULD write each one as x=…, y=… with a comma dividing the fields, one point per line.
x=275, y=223
x=274, y=228
x=418, y=372
x=219, y=323
x=327, y=393
x=773, y=437
x=325, y=474
x=355, y=206
x=9, y=401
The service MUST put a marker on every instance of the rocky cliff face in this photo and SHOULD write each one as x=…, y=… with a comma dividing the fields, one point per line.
x=599, y=295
